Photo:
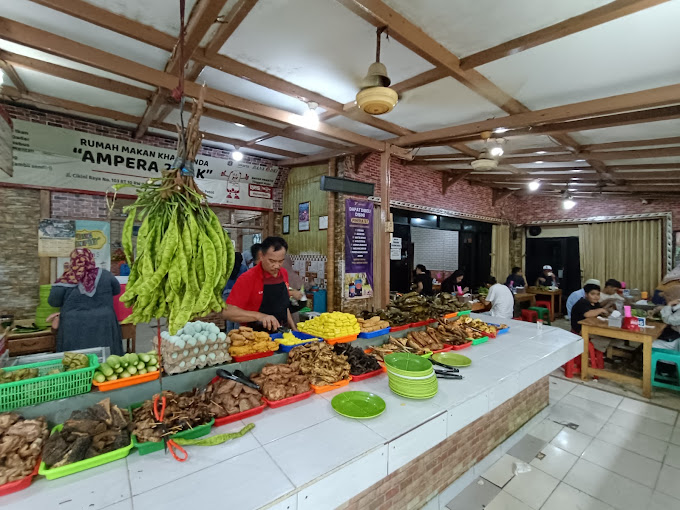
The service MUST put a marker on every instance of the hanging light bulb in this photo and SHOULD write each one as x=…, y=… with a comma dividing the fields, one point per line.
x=237, y=155
x=496, y=151
x=534, y=185
x=568, y=203
x=311, y=117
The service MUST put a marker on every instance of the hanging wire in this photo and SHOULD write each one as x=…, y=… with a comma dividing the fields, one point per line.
x=379, y=32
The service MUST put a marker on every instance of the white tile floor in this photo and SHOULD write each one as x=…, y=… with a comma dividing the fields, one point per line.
x=594, y=451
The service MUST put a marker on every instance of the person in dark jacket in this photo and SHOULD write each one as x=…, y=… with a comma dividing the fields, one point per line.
x=84, y=294
x=423, y=281
x=454, y=281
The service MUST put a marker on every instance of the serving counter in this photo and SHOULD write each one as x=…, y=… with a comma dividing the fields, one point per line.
x=306, y=457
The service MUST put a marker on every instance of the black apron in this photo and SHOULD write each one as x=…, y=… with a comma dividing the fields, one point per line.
x=275, y=301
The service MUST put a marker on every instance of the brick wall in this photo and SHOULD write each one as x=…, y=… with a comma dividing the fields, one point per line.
x=19, y=264
x=422, y=479
x=544, y=209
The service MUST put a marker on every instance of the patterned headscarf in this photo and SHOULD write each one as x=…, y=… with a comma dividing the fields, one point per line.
x=82, y=272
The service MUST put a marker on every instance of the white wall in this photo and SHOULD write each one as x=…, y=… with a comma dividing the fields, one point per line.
x=435, y=249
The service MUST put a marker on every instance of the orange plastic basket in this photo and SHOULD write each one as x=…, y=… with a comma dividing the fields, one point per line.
x=331, y=387
x=129, y=381
x=342, y=339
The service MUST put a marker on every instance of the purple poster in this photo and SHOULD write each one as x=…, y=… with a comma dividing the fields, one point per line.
x=358, y=280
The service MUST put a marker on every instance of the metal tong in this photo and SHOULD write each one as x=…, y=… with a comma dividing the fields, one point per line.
x=447, y=373
x=237, y=376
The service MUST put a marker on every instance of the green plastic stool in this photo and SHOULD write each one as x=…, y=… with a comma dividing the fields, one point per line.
x=672, y=382
x=543, y=314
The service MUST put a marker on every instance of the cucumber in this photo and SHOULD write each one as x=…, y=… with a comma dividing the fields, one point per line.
x=144, y=357
x=112, y=377
x=124, y=375
x=153, y=368
x=132, y=370
x=142, y=371
x=152, y=361
x=119, y=370
x=106, y=369
x=140, y=365
x=133, y=359
x=113, y=361
x=99, y=377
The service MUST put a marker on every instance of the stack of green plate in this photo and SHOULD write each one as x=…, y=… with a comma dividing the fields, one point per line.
x=44, y=310
x=411, y=376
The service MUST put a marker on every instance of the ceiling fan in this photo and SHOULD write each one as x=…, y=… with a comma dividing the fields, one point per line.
x=490, y=155
x=375, y=96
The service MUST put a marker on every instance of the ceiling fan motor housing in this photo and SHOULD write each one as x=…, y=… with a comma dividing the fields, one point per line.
x=482, y=164
x=375, y=96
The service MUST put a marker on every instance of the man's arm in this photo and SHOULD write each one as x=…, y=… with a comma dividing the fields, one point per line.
x=236, y=314
x=596, y=312
x=291, y=322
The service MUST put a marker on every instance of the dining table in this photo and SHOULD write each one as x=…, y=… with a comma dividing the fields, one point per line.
x=553, y=295
x=645, y=336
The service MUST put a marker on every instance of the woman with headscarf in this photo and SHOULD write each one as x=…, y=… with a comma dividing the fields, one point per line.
x=85, y=295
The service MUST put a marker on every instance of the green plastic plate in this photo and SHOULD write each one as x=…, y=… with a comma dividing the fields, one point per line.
x=452, y=359
x=361, y=405
x=82, y=465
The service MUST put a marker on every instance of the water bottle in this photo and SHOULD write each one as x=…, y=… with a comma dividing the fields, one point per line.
x=539, y=326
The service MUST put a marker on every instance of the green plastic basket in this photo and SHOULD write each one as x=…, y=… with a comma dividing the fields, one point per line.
x=46, y=387
x=149, y=446
x=82, y=465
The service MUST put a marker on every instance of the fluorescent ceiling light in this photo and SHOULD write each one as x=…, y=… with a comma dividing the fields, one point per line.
x=534, y=185
x=568, y=204
x=541, y=152
x=500, y=130
x=538, y=162
x=239, y=124
x=311, y=117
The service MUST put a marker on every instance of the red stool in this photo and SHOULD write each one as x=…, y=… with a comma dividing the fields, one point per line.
x=544, y=304
x=573, y=366
x=529, y=316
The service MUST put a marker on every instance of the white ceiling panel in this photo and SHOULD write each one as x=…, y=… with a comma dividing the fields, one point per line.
x=317, y=44
x=551, y=164
x=248, y=116
x=46, y=57
x=249, y=90
x=643, y=161
x=279, y=142
x=443, y=103
x=645, y=131
x=629, y=54
x=217, y=127
x=427, y=151
x=466, y=27
x=358, y=127
x=50, y=20
x=160, y=14
x=516, y=143
x=64, y=89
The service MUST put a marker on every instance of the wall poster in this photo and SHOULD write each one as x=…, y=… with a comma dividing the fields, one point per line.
x=303, y=217
x=56, y=238
x=53, y=157
x=286, y=224
x=95, y=235
x=358, y=278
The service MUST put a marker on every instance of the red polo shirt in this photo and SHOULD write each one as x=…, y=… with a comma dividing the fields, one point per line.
x=249, y=287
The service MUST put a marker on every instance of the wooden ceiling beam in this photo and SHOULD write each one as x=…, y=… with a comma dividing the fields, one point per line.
x=42, y=101
x=202, y=17
x=598, y=155
x=68, y=73
x=321, y=156
x=648, y=166
x=626, y=144
x=419, y=80
x=609, y=12
x=652, y=176
x=104, y=18
x=645, y=99
x=56, y=45
x=9, y=70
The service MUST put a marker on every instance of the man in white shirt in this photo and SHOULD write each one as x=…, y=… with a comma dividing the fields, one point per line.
x=501, y=299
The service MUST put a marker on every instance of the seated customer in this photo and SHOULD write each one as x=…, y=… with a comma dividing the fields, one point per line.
x=586, y=307
x=516, y=278
x=501, y=299
x=578, y=294
x=547, y=278
x=609, y=295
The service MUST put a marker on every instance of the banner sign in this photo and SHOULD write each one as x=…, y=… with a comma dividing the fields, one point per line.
x=5, y=142
x=358, y=279
x=54, y=157
x=95, y=235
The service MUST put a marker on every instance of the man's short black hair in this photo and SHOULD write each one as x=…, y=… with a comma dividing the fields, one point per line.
x=255, y=249
x=516, y=270
x=274, y=242
x=613, y=283
x=491, y=280
x=591, y=287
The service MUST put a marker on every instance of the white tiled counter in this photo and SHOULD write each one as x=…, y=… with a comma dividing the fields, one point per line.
x=306, y=457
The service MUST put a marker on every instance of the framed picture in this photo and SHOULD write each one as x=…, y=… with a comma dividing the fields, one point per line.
x=323, y=222
x=303, y=217
x=676, y=248
x=286, y=224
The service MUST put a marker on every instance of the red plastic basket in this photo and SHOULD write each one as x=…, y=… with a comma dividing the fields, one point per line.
x=418, y=324
x=445, y=349
x=290, y=400
x=248, y=357
x=367, y=375
x=18, y=485
x=239, y=416
x=460, y=347
x=394, y=329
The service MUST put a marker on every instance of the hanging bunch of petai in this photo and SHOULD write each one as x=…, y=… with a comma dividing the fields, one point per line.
x=183, y=256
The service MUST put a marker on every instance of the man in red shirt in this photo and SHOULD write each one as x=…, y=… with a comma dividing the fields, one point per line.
x=261, y=293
